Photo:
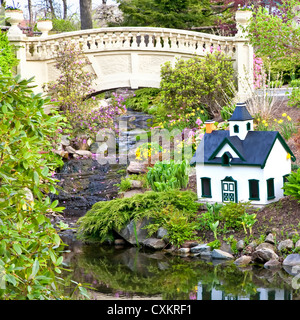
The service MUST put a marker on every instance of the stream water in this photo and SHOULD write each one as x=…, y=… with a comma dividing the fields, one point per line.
x=130, y=273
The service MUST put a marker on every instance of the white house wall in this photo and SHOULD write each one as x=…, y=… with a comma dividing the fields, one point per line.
x=276, y=167
x=239, y=173
x=227, y=148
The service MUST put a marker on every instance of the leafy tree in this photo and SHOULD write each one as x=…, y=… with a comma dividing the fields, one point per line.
x=181, y=14
x=7, y=57
x=276, y=37
x=29, y=260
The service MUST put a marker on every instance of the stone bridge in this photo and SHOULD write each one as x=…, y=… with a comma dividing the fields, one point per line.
x=130, y=56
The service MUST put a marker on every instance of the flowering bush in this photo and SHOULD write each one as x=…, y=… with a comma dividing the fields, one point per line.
x=258, y=73
x=72, y=92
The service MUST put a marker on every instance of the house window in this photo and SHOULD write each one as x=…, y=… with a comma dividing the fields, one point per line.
x=206, y=187
x=226, y=159
x=236, y=128
x=270, y=189
x=253, y=189
x=285, y=179
x=248, y=126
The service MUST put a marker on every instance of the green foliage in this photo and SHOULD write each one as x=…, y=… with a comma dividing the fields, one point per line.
x=105, y=216
x=29, y=257
x=168, y=175
x=197, y=82
x=276, y=37
x=8, y=58
x=62, y=25
x=227, y=111
x=180, y=14
x=179, y=225
x=143, y=99
x=232, y=214
x=124, y=185
x=294, y=98
x=292, y=186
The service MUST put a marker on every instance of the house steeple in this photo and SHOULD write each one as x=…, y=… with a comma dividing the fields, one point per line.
x=240, y=122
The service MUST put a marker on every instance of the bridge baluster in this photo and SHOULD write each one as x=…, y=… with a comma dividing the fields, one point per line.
x=134, y=43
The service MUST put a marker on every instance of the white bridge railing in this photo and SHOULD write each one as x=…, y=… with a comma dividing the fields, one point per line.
x=132, y=38
x=136, y=52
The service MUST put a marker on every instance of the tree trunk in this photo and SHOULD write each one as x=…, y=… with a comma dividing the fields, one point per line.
x=65, y=9
x=30, y=12
x=86, y=14
x=52, y=9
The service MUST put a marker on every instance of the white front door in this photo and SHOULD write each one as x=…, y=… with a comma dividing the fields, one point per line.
x=229, y=190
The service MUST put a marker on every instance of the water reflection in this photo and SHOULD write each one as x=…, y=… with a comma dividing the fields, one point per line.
x=130, y=273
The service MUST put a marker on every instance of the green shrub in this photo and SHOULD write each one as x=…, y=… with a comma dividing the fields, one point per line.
x=105, y=216
x=8, y=58
x=231, y=213
x=143, y=99
x=197, y=82
x=179, y=225
x=62, y=25
x=168, y=175
x=292, y=186
x=29, y=256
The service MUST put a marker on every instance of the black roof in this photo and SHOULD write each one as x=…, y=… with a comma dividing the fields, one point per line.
x=253, y=150
x=240, y=113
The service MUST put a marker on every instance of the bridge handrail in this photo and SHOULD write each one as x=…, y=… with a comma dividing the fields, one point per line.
x=122, y=38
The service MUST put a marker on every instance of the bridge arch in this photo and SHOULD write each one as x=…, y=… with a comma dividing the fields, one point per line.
x=129, y=56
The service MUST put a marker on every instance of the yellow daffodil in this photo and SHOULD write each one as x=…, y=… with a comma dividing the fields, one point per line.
x=284, y=114
x=288, y=156
x=275, y=120
x=289, y=118
x=266, y=124
x=280, y=121
x=264, y=121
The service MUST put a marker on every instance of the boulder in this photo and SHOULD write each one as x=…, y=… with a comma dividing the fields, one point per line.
x=263, y=255
x=136, y=184
x=154, y=243
x=162, y=233
x=70, y=149
x=297, y=244
x=243, y=260
x=220, y=254
x=201, y=248
x=128, y=233
x=189, y=244
x=184, y=250
x=270, y=239
x=83, y=153
x=136, y=167
x=272, y=264
x=292, y=260
x=265, y=245
x=285, y=245
x=131, y=193
x=240, y=245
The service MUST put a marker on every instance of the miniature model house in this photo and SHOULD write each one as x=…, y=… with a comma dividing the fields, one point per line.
x=240, y=164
